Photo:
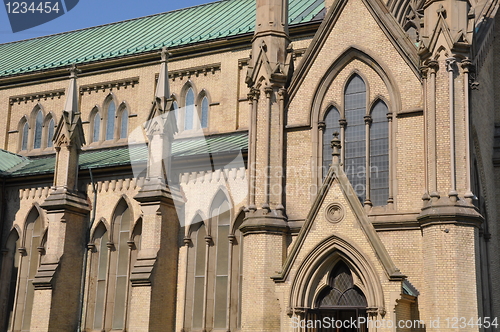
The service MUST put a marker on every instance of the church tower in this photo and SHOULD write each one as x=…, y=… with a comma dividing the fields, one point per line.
x=265, y=225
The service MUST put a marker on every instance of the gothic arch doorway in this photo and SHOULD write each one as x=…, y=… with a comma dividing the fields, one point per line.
x=339, y=305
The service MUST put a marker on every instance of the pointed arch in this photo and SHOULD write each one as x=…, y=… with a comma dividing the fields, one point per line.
x=122, y=116
x=109, y=107
x=23, y=129
x=34, y=227
x=37, y=139
x=95, y=120
x=103, y=227
x=9, y=271
x=349, y=55
x=379, y=153
x=49, y=126
x=188, y=102
x=320, y=262
x=204, y=108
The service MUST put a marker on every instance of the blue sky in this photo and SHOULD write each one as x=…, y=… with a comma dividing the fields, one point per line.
x=89, y=13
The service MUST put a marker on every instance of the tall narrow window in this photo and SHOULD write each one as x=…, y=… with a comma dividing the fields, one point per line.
x=332, y=118
x=223, y=217
x=99, y=272
x=176, y=113
x=24, y=142
x=355, y=135
x=37, y=143
x=50, y=133
x=199, y=277
x=122, y=230
x=96, y=126
x=28, y=267
x=9, y=272
x=124, y=124
x=188, y=118
x=110, y=121
x=379, y=155
x=204, y=112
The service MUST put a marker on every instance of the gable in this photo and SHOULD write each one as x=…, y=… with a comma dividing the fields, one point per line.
x=338, y=212
x=377, y=35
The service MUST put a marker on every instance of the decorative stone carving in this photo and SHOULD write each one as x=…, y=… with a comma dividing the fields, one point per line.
x=334, y=213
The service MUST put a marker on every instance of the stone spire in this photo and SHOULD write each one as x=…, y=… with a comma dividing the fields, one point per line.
x=69, y=138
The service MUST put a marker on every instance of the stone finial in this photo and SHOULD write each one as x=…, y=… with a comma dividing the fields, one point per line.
x=335, y=144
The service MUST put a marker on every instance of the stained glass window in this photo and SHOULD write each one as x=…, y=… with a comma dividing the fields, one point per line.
x=204, y=112
x=355, y=135
x=50, y=133
x=110, y=121
x=188, y=118
x=379, y=155
x=38, y=130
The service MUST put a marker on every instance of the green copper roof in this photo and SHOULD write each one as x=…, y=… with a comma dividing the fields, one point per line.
x=10, y=161
x=125, y=155
x=217, y=20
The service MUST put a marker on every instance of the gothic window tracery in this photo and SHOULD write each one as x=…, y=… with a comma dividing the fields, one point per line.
x=214, y=271
x=111, y=255
x=366, y=165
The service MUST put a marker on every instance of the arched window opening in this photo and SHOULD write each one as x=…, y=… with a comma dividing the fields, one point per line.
x=96, y=126
x=99, y=273
x=37, y=143
x=188, y=118
x=50, y=133
x=24, y=139
x=110, y=262
x=332, y=125
x=340, y=300
x=122, y=234
x=204, y=112
x=9, y=272
x=124, y=124
x=379, y=155
x=341, y=291
x=110, y=121
x=199, y=276
x=355, y=136
x=28, y=266
x=222, y=216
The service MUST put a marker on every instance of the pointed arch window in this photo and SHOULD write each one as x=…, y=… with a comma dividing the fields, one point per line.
x=96, y=127
x=124, y=123
x=9, y=271
x=50, y=133
x=24, y=138
x=189, y=115
x=28, y=262
x=204, y=113
x=108, y=286
x=355, y=137
x=366, y=165
x=37, y=142
x=379, y=154
x=214, y=271
x=110, y=120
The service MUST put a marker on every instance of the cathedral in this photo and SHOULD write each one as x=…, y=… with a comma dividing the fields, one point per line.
x=255, y=165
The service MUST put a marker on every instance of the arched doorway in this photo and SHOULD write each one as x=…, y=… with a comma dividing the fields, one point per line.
x=339, y=305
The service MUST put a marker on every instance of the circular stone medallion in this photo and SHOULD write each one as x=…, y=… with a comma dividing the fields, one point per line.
x=334, y=213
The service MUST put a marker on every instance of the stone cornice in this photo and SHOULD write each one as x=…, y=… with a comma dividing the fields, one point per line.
x=51, y=94
x=109, y=85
